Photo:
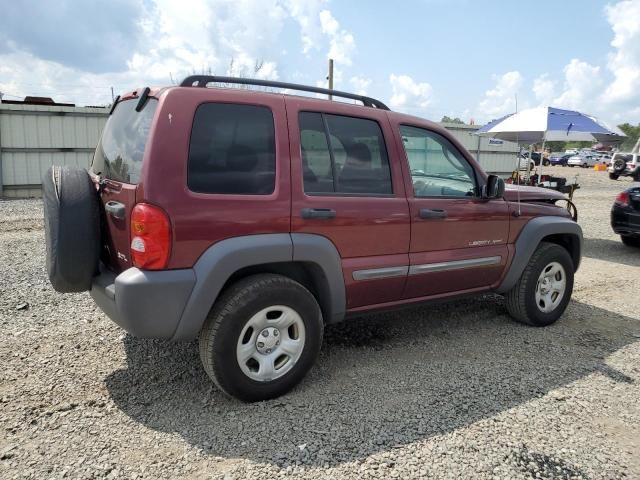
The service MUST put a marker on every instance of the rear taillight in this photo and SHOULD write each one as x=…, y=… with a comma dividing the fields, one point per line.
x=623, y=199
x=150, y=237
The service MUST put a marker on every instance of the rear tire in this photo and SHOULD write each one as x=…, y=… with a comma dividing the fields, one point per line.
x=613, y=176
x=630, y=241
x=544, y=289
x=238, y=345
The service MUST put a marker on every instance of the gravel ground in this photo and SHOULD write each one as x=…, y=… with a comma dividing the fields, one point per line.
x=449, y=391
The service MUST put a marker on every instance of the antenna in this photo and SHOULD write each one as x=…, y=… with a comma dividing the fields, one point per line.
x=519, y=157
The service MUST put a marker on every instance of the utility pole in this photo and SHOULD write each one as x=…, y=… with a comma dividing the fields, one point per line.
x=330, y=77
x=113, y=98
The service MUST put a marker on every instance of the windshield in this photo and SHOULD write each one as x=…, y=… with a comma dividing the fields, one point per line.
x=121, y=149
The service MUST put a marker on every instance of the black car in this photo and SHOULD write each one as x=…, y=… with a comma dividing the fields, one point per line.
x=625, y=215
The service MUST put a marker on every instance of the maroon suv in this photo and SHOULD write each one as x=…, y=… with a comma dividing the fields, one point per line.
x=252, y=219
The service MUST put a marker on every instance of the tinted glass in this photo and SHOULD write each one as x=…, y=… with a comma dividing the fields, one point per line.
x=348, y=158
x=437, y=167
x=232, y=150
x=317, y=170
x=121, y=148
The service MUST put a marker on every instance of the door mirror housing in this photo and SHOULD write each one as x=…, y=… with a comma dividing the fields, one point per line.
x=494, y=187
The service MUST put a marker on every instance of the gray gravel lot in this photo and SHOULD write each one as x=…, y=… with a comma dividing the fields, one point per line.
x=453, y=390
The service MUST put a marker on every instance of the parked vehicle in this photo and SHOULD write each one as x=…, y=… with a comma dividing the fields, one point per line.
x=525, y=163
x=625, y=165
x=253, y=219
x=625, y=215
x=536, y=156
x=584, y=161
x=559, y=159
x=571, y=151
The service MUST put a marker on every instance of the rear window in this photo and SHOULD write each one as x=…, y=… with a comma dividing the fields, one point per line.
x=232, y=150
x=121, y=149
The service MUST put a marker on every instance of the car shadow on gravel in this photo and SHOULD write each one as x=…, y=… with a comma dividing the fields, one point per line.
x=380, y=382
x=611, y=251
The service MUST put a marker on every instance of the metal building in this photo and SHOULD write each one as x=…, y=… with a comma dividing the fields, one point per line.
x=495, y=156
x=34, y=137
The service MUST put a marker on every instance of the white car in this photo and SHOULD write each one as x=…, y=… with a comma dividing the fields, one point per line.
x=624, y=164
x=584, y=161
x=571, y=151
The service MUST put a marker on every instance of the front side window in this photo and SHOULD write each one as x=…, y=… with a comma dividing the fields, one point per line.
x=343, y=155
x=438, y=169
x=232, y=150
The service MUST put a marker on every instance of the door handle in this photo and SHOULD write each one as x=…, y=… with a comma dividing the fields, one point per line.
x=115, y=209
x=428, y=214
x=325, y=213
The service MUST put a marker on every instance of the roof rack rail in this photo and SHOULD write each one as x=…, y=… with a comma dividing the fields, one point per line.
x=203, y=80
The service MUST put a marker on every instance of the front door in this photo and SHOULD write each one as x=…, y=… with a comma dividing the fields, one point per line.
x=458, y=239
x=347, y=187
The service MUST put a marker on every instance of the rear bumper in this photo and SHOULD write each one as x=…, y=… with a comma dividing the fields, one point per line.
x=146, y=304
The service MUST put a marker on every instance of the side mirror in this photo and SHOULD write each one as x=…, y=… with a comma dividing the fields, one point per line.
x=494, y=187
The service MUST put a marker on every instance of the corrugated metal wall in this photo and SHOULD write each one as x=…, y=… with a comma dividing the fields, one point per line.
x=34, y=137
x=494, y=157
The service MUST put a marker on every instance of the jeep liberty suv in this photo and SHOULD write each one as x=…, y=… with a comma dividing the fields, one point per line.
x=252, y=219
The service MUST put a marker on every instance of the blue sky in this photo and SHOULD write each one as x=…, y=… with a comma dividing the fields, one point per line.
x=426, y=57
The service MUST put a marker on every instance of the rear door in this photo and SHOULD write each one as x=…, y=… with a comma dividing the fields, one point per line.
x=118, y=161
x=347, y=186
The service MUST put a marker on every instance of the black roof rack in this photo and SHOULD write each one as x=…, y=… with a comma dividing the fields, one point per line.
x=203, y=80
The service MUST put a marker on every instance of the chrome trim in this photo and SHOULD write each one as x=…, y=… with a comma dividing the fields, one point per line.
x=454, y=265
x=376, y=273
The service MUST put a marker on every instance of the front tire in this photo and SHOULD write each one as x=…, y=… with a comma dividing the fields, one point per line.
x=544, y=289
x=261, y=337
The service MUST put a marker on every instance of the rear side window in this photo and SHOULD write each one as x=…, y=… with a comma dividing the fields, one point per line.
x=121, y=149
x=343, y=155
x=232, y=150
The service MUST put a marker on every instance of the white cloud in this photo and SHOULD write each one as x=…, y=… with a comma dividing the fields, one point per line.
x=501, y=99
x=173, y=42
x=360, y=84
x=407, y=94
x=582, y=86
x=624, y=62
x=544, y=89
x=342, y=45
x=307, y=13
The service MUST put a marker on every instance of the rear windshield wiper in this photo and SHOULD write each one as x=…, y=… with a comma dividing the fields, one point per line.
x=143, y=99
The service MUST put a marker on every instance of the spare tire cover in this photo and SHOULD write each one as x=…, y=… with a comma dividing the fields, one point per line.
x=72, y=228
x=619, y=165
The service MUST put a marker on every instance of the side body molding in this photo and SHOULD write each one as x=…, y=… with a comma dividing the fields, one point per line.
x=530, y=237
x=223, y=259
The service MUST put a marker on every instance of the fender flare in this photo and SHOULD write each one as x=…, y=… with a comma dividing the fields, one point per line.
x=530, y=237
x=220, y=261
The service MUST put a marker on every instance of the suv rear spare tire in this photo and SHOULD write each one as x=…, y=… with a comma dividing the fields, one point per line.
x=261, y=337
x=544, y=289
x=72, y=228
x=619, y=165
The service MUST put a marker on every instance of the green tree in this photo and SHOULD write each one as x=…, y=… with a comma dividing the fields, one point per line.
x=447, y=119
x=632, y=133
